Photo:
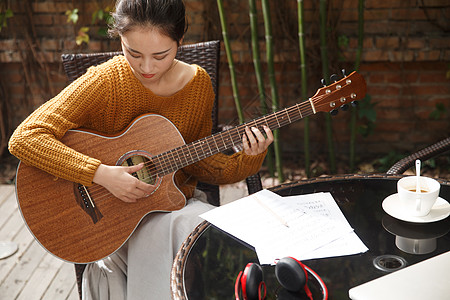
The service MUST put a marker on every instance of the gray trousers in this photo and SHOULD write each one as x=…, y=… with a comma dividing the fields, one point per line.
x=141, y=268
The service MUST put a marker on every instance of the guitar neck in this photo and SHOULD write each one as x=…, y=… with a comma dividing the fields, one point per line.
x=188, y=154
x=338, y=94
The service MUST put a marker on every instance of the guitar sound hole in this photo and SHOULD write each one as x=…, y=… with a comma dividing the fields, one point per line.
x=147, y=174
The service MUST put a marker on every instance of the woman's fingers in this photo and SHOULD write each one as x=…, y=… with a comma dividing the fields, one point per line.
x=254, y=140
x=121, y=183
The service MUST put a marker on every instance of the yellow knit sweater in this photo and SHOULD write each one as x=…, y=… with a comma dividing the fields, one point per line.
x=106, y=99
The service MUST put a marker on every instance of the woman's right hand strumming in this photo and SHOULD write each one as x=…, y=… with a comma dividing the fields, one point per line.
x=119, y=182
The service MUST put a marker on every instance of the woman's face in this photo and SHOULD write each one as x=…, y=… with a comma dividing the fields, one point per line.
x=149, y=53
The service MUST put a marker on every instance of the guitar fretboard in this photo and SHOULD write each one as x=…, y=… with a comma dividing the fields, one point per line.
x=188, y=154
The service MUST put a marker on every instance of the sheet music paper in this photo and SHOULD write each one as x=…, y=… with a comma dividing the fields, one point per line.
x=305, y=227
x=324, y=205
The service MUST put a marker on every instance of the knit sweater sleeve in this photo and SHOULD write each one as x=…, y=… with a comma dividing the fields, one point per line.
x=226, y=169
x=36, y=141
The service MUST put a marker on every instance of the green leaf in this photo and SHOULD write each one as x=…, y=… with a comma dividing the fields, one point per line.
x=9, y=13
x=4, y=18
x=103, y=31
x=435, y=115
x=101, y=14
x=82, y=36
x=366, y=129
x=387, y=161
x=72, y=16
x=430, y=163
x=97, y=15
x=109, y=19
x=343, y=41
x=438, y=111
x=367, y=110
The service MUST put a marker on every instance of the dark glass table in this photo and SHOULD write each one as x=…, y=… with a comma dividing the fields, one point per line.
x=209, y=260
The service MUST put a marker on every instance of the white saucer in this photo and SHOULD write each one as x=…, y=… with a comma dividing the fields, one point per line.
x=439, y=211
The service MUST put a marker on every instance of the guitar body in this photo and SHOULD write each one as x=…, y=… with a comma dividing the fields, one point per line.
x=83, y=226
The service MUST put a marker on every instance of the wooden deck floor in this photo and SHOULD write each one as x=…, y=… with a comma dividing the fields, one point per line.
x=31, y=273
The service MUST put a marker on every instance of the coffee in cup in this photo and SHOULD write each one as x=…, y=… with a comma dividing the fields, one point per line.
x=417, y=203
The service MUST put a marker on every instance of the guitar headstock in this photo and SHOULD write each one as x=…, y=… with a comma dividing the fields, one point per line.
x=341, y=93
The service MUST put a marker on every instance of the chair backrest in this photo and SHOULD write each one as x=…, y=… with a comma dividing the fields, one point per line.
x=205, y=54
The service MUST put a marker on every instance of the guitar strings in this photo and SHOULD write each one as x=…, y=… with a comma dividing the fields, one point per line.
x=166, y=164
x=206, y=145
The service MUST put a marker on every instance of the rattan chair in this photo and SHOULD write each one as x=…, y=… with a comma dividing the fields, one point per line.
x=429, y=152
x=206, y=55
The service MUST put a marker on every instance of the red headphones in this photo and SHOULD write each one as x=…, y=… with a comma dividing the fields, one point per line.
x=251, y=282
x=290, y=273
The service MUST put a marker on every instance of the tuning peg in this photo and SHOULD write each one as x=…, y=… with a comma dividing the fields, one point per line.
x=334, y=78
x=354, y=103
x=323, y=82
x=344, y=107
x=334, y=112
x=343, y=73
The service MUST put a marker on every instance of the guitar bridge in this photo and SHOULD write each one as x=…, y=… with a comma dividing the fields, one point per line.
x=86, y=202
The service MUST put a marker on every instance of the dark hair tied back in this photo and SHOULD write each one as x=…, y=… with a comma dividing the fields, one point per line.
x=169, y=16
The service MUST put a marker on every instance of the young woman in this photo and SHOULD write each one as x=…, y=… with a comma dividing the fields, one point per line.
x=146, y=79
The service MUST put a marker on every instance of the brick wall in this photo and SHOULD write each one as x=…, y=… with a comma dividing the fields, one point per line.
x=405, y=61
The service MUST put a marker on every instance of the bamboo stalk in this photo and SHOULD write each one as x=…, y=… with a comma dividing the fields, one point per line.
x=357, y=63
x=259, y=75
x=304, y=80
x=228, y=51
x=325, y=72
x=273, y=85
x=360, y=33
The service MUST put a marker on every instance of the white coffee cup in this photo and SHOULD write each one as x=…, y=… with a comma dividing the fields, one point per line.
x=414, y=203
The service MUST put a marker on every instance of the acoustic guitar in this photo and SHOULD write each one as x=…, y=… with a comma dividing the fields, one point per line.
x=83, y=224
